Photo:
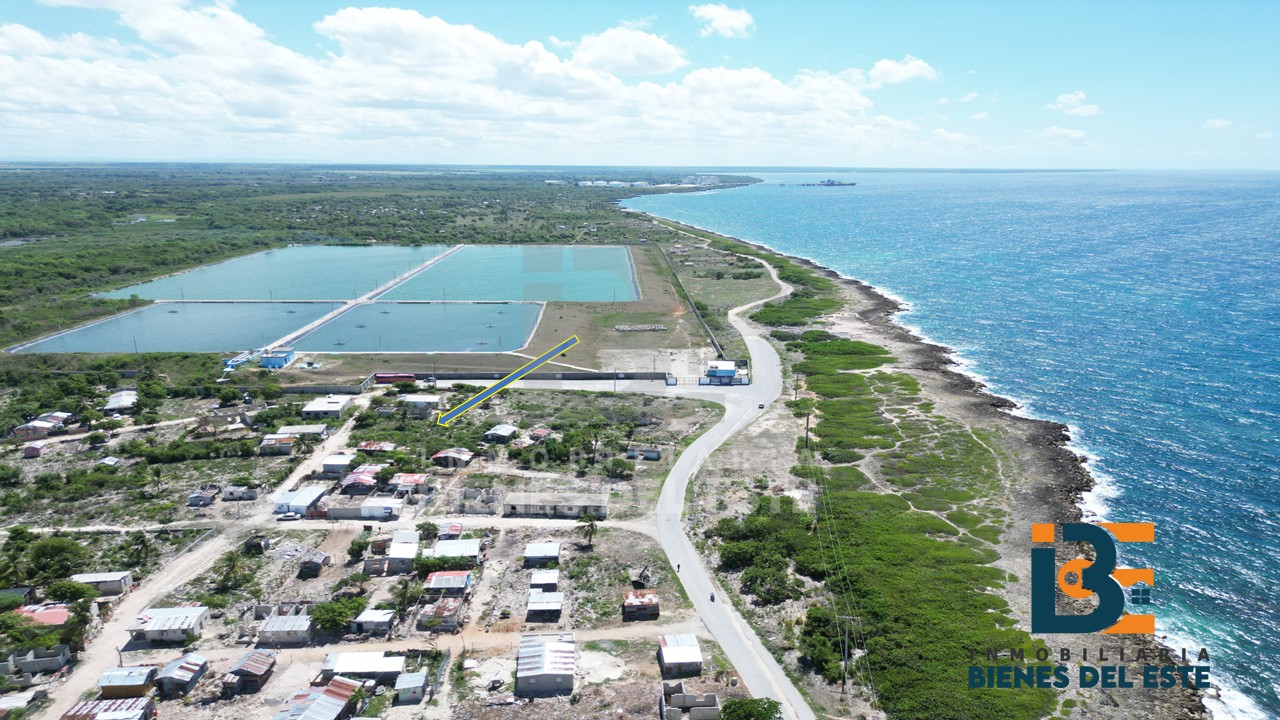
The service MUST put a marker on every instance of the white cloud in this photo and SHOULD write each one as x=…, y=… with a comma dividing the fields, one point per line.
x=192, y=79
x=980, y=116
x=1216, y=124
x=950, y=138
x=1266, y=135
x=944, y=101
x=628, y=51
x=889, y=72
x=720, y=19
x=1061, y=134
x=969, y=97
x=1072, y=103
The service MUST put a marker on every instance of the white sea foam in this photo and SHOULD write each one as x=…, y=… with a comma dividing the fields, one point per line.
x=1229, y=703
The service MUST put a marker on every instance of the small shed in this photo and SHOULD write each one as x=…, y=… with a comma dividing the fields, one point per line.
x=469, y=549
x=445, y=615
x=180, y=676
x=374, y=622
x=285, y=629
x=545, y=664
x=249, y=673
x=537, y=554
x=313, y=563
x=640, y=605
x=452, y=531
x=127, y=682
x=107, y=583
x=544, y=606
x=411, y=687
x=679, y=655
x=34, y=449
x=501, y=433
x=453, y=458
x=545, y=580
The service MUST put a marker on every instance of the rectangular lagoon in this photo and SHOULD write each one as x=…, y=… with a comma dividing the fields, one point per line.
x=425, y=327
x=214, y=327
x=526, y=272
x=314, y=272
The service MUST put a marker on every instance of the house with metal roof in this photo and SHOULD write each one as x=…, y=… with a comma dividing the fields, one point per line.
x=453, y=458
x=374, y=622
x=501, y=433
x=169, y=624
x=249, y=673
x=469, y=549
x=453, y=583
x=123, y=400
x=553, y=504
x=316, y=431
x=300, y=501
x=291, y=628
x=545, y=580
x=276, y=444
x=332, y=701
x=544, y=606
x=445, y=615
x=541, y=553
x=329, y=406
x=142, y=708
x=640, y=605
x=545, y=664
x=411, y=687
x=178, y=678
x=127, y=682
x=107, y=583
x=679, y=655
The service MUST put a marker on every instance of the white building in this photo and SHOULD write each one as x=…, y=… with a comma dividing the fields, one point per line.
x=123, y=400
x=375, y=622
x=169, y=624
x=364, y=665
x=469, y=549
x=411, y=687
x=299, y=501
x=541, y=553
x=329, y=406
x=285, y=630
x=107, y=583
x=679, y=655
x=545, y=664
x=337, y=464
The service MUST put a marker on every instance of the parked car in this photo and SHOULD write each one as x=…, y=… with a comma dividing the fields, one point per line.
x=761, y=406
x=289, y=516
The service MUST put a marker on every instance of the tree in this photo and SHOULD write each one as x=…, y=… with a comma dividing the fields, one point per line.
x=141, y=549
x=619, y=469
x=10, y=475
x=56, y=558
x=70, y=591
x=406, y=593
x=230, y=570
x=303, y=445
x=334, y=616
x=587, y=525
x=357, y=548
x=428, y=528
x=751, y=709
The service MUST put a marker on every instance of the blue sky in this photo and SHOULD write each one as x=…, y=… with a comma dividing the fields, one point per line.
x=914, y=84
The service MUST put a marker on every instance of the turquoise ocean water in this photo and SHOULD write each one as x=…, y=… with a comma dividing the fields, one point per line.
x=1141, y=309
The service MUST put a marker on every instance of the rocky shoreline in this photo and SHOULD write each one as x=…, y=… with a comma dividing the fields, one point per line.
x=1051, y=489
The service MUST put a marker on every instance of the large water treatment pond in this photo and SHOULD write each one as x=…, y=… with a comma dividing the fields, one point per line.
x=473, y=298
x=215, y=327
x=567, y=273
x=323, y=272
x=423, y=327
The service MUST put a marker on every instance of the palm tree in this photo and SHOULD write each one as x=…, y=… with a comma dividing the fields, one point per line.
x=141, y=549
x=405, y=593
x=13, y=570
x=587, y=525
x=230, y=570
x=303, y=445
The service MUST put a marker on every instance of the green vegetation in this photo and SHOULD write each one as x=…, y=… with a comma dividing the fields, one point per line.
x=751, y=709
x=911, y=560
x=333, y=616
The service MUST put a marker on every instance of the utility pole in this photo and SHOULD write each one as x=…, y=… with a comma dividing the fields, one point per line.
x=844, y=670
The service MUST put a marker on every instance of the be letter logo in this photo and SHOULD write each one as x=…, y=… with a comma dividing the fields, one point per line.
x=1083, y=578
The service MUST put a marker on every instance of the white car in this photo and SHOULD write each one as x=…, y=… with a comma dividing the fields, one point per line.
x=289, y=516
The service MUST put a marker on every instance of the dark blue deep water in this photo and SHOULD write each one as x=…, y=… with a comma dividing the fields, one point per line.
x=1141, y=309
